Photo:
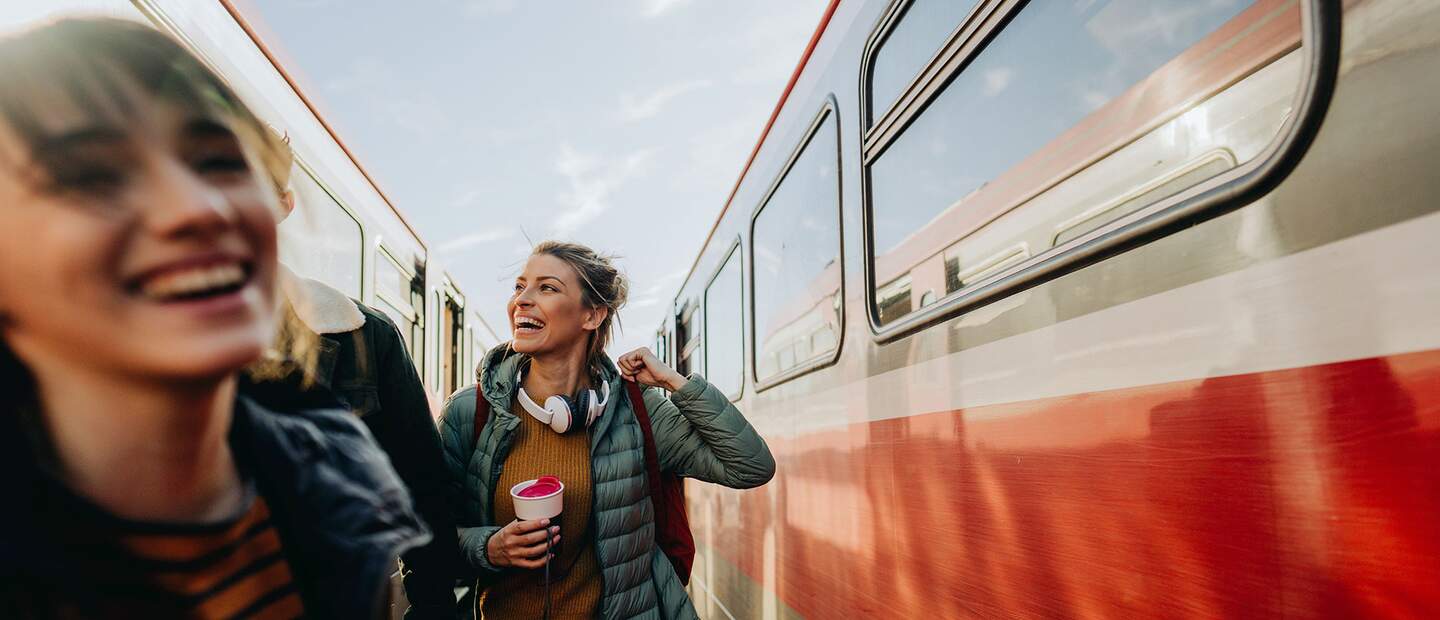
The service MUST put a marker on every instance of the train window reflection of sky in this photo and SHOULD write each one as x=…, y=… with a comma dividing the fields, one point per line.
x=602, y=122
x=1052, y=66
x=797, y=249
x=921, y=32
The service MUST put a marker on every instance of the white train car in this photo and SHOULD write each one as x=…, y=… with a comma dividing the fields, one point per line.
x=1083, y=309
x=345, y=230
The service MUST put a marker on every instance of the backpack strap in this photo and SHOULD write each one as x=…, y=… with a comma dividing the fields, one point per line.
x=652, y=457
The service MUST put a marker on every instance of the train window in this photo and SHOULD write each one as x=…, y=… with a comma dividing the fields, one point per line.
x=688, y=345
x=321, y=240
x=921, y=29
x=724, y=329
x=795, y=259
x=1072, y=116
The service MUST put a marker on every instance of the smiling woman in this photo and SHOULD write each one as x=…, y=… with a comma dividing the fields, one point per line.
x=137, y=281
x=588, y=434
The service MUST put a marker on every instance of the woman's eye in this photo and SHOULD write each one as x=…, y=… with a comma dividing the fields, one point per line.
x=97, y=180
x=549, y=288
x=221, y=165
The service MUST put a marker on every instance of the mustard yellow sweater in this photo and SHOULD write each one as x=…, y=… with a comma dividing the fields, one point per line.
x=575, y=585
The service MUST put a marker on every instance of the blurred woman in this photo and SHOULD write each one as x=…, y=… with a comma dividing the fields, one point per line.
x=137, y=280
x=587, y=434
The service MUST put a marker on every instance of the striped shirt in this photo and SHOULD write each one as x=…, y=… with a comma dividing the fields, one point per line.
x=235, y=569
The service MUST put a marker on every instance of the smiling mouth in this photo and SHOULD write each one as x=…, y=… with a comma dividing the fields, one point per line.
x=526, y=325
x=195, y=283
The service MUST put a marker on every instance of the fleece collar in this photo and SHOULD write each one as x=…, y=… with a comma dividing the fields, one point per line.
x=321, y=308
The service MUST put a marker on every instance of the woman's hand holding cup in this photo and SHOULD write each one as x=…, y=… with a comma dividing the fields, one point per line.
x=521, y=544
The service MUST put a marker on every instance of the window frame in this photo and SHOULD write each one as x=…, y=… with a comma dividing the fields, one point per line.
x=387, y=256
x=830, y=107
x=732, y=252
x=306, y=169
x=1319, y=42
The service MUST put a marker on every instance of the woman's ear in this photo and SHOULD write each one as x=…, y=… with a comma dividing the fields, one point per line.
x=595, y=317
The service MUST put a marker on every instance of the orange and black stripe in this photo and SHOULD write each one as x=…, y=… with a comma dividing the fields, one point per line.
x=236, y=570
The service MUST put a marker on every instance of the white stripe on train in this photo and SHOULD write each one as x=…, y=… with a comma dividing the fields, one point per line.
x=1371, y=295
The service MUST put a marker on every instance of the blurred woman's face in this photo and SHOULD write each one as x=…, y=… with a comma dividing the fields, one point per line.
x=146, y=250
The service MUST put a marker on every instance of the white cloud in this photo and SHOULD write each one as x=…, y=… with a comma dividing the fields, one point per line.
x=634, y=108
x=474, y=239
x=656, y=8
x=591, y=182
x=466, y=196
x=997, y=80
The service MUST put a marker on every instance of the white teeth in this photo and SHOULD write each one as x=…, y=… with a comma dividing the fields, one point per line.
x=193, y=280
x=528, y=323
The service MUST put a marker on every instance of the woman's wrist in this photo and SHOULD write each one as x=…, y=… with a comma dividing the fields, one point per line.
x=675, y=381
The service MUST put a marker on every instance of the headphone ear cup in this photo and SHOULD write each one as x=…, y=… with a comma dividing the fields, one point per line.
x=560, y=416
x=583, y=404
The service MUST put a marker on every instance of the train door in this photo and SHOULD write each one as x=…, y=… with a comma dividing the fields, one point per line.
x=453, y=338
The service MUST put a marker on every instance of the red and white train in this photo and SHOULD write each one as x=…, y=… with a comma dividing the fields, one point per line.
x=1084, y=308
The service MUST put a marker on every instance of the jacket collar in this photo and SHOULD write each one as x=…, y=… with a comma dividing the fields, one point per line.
x=321, y=308
x=497, y=385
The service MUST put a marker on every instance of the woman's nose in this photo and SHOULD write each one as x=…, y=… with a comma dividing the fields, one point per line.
x=180, y=203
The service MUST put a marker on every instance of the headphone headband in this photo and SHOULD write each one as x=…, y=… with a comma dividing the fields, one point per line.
x=558, y=412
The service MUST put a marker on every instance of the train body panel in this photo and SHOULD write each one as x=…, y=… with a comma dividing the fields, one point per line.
x=1238, y=417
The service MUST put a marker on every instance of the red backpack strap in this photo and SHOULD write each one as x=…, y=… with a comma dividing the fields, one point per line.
x=652, y=457
x=667, y=495
x=482, y=414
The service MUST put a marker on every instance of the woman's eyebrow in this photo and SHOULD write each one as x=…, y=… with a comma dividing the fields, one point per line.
x=207, y=128
x=96, y=135
x=557, y=280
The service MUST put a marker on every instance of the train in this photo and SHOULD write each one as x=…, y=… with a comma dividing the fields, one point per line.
x=1083, y=309
x=345, y=230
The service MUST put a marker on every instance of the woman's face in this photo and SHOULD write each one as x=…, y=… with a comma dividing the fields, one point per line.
x=146, y=250
x=548, y=311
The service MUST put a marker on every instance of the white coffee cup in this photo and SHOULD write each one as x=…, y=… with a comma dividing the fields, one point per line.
x=546, y=506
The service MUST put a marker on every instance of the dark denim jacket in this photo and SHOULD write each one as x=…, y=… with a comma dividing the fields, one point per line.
x=341, y=513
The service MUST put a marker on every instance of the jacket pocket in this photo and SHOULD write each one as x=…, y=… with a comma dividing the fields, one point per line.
x=362, y=399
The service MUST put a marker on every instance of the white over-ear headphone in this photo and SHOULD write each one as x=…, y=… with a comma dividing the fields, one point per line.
x=558, y=410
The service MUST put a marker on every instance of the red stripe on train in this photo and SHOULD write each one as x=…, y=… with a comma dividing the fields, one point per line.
x=1304, y=492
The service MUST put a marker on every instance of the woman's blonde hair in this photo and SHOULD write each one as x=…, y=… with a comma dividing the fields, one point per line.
x=296, y=350
x=604, y=287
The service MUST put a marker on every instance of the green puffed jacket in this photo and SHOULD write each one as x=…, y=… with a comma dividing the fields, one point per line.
x=699, y=434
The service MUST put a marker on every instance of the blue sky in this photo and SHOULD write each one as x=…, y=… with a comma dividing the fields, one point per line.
x=621, y=124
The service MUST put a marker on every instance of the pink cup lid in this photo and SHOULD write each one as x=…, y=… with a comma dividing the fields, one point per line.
x=545, y=485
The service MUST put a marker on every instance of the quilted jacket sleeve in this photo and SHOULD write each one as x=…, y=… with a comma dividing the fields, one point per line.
x=700, y=434
x=456, y=430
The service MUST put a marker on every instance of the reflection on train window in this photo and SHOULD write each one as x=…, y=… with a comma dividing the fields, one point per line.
x=397, y=291
x=724, y=333
x=795, y=245
x=920, y=32
x=321, y=240
x=1073, y=116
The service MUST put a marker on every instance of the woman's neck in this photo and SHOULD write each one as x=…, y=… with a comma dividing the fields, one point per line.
x=556, y=374
x=147, y=451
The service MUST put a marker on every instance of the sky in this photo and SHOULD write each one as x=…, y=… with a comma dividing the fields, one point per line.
x=620, y=124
